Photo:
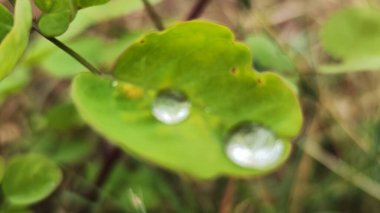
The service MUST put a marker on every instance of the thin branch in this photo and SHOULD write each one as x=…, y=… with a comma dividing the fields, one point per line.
x=153, y=15
x=65, y=48
x=197, y=9
x=69, y=51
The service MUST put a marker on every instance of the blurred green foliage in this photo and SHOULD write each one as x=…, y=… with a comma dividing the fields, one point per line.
x=30, y=178
x=49, y=124
x=16, y=40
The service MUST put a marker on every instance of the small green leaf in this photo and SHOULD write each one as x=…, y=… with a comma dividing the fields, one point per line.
x=352, y=32
x=353, y=36
x=45, y=5
x=269, y=56
x=57, y=19
x=2, y=168
x=92, y=15
x=6, y=21
x=30, y=178
x=215, y=73
x=15, y=42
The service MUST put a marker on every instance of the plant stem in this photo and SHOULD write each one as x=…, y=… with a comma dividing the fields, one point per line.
x=228, y=197
x=153, y=15
x=197, y=9
x=343, y=169
x=65, y=48
x=69, y=51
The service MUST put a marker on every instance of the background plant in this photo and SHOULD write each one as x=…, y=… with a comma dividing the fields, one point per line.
x=341, y=111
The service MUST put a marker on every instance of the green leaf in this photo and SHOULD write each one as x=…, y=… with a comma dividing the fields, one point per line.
x=215, y=73
x=6, y=21
x=92, y=15
x=30, y=178
x=269, y=56
x=2, y=168
x=45, y=5
x=15, y=42
x=353, y=36
x=56, y=20
x=89, y=3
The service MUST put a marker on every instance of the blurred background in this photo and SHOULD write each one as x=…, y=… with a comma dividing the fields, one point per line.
x=335, y=162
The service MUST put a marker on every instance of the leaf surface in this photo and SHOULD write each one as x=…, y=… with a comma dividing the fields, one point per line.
x=202, y=60
x=352, y=35
x=15, y=42
x=6, y=21
x=30, y=178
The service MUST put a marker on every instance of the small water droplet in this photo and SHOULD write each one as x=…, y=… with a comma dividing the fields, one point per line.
x=115, y=83
x=253, y=146
x=171, y=106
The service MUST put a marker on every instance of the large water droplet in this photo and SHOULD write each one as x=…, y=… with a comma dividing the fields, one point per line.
x=253, y=146
x=171, y=106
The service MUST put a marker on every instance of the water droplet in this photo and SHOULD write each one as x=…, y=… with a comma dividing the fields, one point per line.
x=171, y=106
x=253, y=146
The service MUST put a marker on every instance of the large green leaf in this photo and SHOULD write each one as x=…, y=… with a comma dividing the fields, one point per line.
x=13, y=45
x=30, y=178
x=353, y=36
x=6, y=21
x=201, y=59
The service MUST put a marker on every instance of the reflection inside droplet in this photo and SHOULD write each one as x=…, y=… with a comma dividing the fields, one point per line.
x=253, y=146
x=171, y=106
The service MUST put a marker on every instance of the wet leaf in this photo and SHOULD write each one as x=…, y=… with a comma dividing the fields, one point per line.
x=202, y=60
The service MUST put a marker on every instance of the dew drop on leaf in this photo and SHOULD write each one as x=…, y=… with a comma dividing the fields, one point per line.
x=171, y=106
x=253, y=146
